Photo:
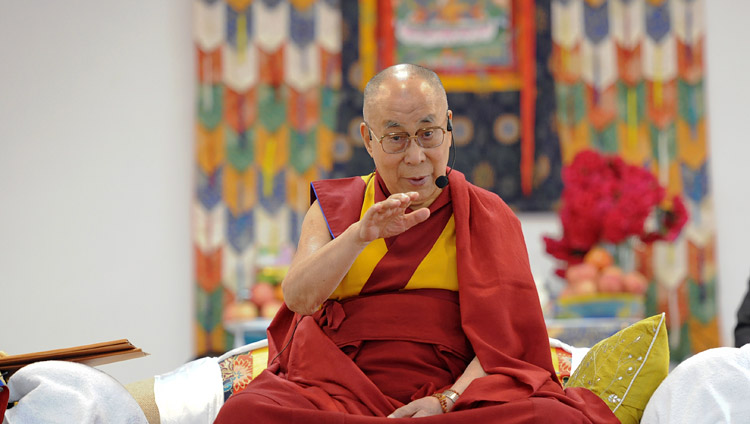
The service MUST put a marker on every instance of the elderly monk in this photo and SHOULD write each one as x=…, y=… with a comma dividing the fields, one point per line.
x=406, y=299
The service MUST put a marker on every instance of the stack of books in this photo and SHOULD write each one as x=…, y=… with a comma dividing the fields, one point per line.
x=93, y=355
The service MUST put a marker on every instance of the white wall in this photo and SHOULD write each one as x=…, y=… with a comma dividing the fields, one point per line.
x=729, y=130
x=96, y=142
x=96, y=118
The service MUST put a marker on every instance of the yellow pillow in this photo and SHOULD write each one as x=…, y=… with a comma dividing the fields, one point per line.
x=625, y=368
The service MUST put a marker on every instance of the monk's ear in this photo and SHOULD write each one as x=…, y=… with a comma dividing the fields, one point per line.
x=366, y=137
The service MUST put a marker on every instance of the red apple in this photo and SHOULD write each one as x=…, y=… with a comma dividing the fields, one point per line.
x=634, y=282
x=246, y=311
x=239, y=311
x=580, y=272
x=583, y=287
x=270, y=308
x=230, y=313
x=261, y=293
x=610, y=280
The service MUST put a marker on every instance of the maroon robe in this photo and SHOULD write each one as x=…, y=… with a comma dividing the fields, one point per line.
x=357, y=360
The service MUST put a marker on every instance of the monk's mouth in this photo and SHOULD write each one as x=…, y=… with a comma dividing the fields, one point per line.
x=418, y=181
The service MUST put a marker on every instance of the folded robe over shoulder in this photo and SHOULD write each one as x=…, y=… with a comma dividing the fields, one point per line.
x=309, y=379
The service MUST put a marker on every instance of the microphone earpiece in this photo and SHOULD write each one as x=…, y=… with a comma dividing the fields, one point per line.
x=442, y=181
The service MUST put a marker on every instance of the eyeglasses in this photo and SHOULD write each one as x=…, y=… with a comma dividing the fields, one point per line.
x=397, y=142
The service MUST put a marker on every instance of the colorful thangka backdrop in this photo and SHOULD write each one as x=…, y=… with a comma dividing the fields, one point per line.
x=269, y=73
x=629, y=79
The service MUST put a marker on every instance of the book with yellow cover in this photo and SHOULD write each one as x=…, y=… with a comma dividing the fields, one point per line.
x=93, y=355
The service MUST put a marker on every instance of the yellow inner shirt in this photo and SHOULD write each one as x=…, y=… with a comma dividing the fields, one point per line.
x=437, y=270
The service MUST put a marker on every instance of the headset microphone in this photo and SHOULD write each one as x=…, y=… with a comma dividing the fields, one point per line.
x=442, y=181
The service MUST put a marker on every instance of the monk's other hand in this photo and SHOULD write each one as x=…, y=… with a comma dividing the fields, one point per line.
x=423, y=407
x=389, y=218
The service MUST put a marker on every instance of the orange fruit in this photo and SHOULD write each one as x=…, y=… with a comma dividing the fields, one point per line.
x=279, y=292
x=599, y=257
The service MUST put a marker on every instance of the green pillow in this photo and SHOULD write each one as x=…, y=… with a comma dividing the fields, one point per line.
x=625, y=368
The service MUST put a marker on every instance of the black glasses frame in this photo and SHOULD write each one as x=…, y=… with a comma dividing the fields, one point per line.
x=409, y=137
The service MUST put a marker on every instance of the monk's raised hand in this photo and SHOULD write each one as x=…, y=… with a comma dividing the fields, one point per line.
x=389, y=218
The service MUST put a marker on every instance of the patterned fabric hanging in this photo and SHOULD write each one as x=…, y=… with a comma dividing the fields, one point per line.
x=629, y=80
x=269, y=75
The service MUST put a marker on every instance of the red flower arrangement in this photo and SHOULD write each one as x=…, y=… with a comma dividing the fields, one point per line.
x=606, y=200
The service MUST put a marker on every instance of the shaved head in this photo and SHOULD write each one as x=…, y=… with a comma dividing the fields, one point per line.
x=376, y=87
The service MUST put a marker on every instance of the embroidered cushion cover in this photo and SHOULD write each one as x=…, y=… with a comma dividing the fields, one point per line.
x=562, y=361
x=626, y=368
x=237, y=371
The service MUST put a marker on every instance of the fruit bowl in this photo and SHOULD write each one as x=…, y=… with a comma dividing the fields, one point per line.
x=600, y=305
